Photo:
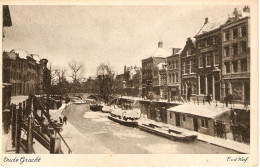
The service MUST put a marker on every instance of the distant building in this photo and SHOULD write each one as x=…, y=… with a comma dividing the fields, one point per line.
x=174, y=73
x=28, y=75
x=189, y=64
x=148, y=64
x=236, y=56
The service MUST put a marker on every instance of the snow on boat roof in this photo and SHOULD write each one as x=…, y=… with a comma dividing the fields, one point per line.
x=203, y=110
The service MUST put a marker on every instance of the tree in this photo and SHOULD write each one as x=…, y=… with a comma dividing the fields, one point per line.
x=105, y=76
x=76, y=71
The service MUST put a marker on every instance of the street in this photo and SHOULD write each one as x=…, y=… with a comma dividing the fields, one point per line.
x=93, y=132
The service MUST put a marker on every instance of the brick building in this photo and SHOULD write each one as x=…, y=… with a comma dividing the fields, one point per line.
x=236, y=56
x=189, y=64
x=174, y=73
x=27, y=74
x=208, y=42
x=148, y=79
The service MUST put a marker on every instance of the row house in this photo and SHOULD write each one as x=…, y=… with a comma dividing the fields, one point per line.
x=174, y=73
x=236, y=56
x=208, y=42
x=28, y=75
x=149, y=77
x=189, y=63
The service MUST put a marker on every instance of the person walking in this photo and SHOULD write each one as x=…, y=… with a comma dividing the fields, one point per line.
x=65, y=120
x=208, y=98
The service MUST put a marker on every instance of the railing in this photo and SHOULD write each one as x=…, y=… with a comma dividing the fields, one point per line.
x=26, y=119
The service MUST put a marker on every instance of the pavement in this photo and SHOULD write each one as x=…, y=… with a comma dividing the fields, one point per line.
x=225, y=143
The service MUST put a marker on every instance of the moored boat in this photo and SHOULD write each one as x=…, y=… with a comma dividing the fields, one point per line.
x=170, y=133
x=124, y=121
x=96, y=107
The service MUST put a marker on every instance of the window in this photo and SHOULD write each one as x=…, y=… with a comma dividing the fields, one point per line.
x=184, y=118
x=235, y=33
x=204, y=123
x=216, y=58
x=170, y=115
x=243, y=65
x=243, y=46
x=235, y=49
x=170, y=65
x=200, y=61
x=244, y=31
x=187, y=67
x=210, y=41
x=176, y=77
x=226, y=35
x=176, y=65
x=188, y=52
x=209, y=59
x=235, y=66
x=227, y=65
x=173, y=77
x=192, y=66
x=184, y=71
x=173, y=65
x=226, y=51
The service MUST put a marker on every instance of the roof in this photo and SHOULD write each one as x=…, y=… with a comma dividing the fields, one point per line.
x=161, y=52
x=203, y=110
x=179, y=52
x=11, y=55
x=215, y=24
x=212, y=25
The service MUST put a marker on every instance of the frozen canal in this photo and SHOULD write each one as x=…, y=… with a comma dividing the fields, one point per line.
x=100, y=135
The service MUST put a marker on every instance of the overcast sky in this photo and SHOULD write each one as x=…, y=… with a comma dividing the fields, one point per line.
x=118, y=35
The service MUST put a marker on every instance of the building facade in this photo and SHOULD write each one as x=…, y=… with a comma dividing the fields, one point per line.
x=174, y=73
x=208, y=42
x=189, y=64
x=150, y=79
x=236, y=57
x=26, y=75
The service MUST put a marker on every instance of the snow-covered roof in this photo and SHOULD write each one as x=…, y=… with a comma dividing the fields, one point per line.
x=21, y=53
x=213, y=24
x=161, y=52
x=36, y=57
x=203, y=110
x=11, y=55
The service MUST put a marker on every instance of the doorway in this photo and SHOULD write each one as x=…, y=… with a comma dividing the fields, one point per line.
x=189, y=93
x=177, y=118
x=195, y=124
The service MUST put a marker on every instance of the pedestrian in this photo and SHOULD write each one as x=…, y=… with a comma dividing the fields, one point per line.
x=65, y=120
x=208, y=98
x=60, y=120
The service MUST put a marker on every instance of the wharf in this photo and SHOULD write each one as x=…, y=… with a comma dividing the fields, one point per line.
x=225, y=143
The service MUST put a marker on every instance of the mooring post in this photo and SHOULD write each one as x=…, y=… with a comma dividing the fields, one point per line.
x=18, y=126
x=29, y=136
x=55, y=145
x=13, y=107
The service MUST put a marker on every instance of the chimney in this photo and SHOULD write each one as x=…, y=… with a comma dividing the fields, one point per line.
x=124, y=69
x=206, y=20
x=246, y=9
x=160, y=44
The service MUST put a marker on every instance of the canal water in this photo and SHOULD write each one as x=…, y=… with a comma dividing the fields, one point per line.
x=101, y=135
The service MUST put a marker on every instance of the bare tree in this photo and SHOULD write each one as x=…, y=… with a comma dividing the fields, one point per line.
x=53, y=73
x=76, y=71
x=105, y=76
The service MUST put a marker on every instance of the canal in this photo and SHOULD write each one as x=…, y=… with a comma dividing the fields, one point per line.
x=93, y=132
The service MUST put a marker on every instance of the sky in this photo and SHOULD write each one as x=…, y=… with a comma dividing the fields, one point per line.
x=118, y=35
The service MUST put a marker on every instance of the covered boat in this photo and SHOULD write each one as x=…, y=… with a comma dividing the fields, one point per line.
x=126, y=115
